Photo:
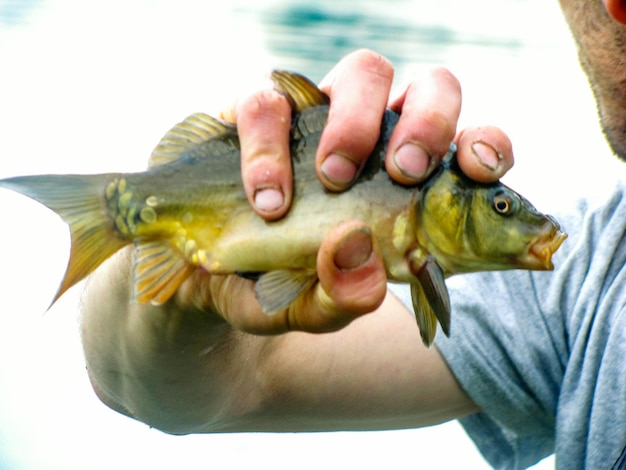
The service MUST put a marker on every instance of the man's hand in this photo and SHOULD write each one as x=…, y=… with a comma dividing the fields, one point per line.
x=141, y=358
x=359, y=88
x=351, y=272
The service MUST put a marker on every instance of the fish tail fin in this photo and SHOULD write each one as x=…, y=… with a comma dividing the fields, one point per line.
x=79, y=201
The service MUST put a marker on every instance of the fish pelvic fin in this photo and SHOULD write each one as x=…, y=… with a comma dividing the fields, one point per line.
x=431, y=301
x=276, y=290
x=301, y=92
x=199, y=135
x=79, y=201
x=159, y=270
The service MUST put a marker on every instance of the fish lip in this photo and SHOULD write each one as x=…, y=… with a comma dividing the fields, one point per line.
x=541, y=251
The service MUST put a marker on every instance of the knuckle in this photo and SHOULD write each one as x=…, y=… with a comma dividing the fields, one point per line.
x=444, y=76
x=436, y=129
x=361, y=131
x=366, y=299
x=262, y=105
x=372, y=62
x=263, y=123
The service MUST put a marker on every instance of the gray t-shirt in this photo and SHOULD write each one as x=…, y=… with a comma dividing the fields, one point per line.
x=544, y=353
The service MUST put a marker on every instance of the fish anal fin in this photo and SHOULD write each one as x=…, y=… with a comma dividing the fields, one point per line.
x=301, y=92
x=195, y=130
x=276, y=290
x=431, y=301
x=159, y=270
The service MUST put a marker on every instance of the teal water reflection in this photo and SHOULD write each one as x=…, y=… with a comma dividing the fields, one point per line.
x=313, y=36
x=14, y=12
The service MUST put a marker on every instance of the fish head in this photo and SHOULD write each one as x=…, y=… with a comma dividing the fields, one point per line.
x=510, y=233
x=469, y=226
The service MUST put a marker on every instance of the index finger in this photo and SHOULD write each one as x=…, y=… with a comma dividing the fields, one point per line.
x=263, y=123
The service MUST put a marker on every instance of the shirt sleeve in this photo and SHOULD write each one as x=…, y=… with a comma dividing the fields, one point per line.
x=544, y=353
x=504, y=354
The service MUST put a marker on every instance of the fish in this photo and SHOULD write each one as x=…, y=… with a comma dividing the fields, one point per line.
x=188, y=211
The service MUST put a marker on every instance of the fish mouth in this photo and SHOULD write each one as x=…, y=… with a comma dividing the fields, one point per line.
x=542, y=250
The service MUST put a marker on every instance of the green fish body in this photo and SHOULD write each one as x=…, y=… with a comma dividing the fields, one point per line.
x=189, y=211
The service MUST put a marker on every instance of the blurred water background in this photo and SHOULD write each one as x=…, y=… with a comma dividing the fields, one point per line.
x=91, y=87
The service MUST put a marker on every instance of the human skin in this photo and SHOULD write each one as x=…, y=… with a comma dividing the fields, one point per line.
x=600, y=36
x=142, y=359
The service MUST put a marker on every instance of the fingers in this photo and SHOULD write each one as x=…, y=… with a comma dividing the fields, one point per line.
x=263, y=121
x=484, y=154
x=358, y=87
x=429, y=110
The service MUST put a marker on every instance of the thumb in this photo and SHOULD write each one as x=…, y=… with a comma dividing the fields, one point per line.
x=352, y=280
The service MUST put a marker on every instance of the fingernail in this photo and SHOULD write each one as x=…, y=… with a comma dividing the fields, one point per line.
x=339, y=169
x=412, y=161
x=354, y=250
x=268, y=199
x=486, y=155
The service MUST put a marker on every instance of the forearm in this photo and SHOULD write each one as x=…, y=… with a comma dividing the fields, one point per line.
x=188, y=371
x=374, y=374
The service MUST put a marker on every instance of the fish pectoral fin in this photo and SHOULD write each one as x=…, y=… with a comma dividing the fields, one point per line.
x=197, y=129
x=159, y=270
x=431, y=301
x=276, y=290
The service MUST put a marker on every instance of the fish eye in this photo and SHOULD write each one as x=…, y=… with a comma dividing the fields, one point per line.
x=503, y=203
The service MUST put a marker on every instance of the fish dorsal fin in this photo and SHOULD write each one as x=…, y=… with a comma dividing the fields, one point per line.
x=159, y=270
x=301, y=92
x=431, y=301
x=195, y=130
x=276, y=290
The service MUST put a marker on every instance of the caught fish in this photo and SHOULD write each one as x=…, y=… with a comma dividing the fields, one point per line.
x=189, y=211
